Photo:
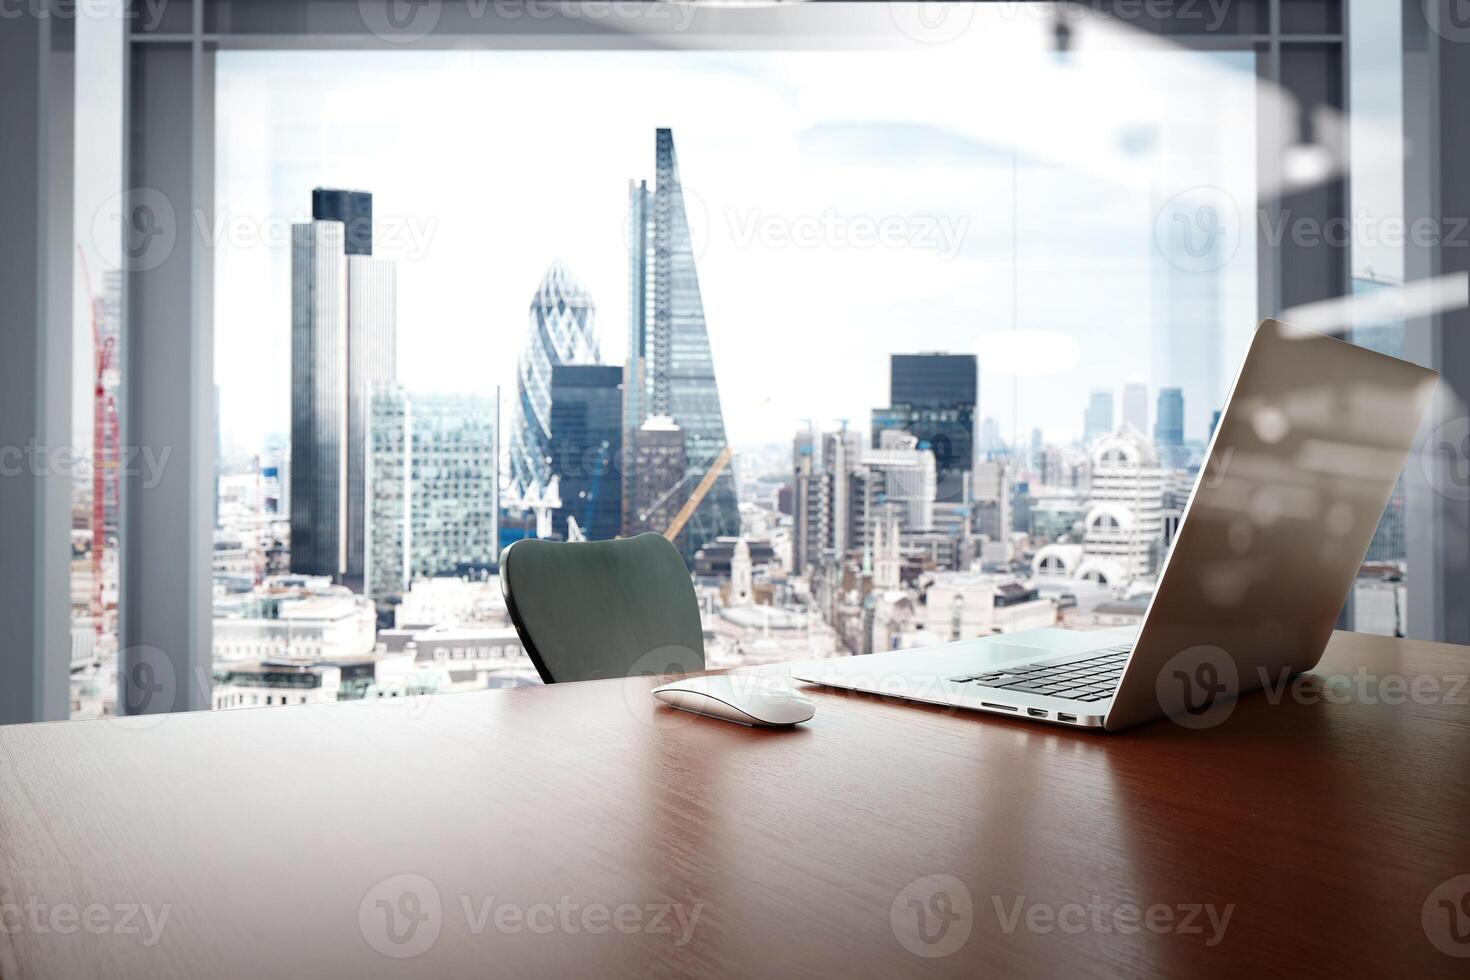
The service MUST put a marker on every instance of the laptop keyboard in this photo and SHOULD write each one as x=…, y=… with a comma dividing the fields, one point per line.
x=1092, y=676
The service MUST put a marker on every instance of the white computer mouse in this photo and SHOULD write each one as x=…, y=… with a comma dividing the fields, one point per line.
x=742, y=698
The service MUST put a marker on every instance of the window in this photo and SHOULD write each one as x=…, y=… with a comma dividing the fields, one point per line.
x=959, y=332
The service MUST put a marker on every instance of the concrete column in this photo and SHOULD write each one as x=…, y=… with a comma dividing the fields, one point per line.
x=37, y=82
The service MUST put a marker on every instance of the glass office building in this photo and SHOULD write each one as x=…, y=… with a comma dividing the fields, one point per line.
x=1097, y=420
x=932, y=397
x=670, y=370
x=1169, y=429
x=562, y=321
x=435, y=488
x=343, y=342
x=586, y=449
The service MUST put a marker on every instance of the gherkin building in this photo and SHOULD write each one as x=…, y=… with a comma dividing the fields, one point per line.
x=562, y=317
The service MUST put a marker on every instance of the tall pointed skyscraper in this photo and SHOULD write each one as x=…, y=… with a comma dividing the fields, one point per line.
x=670, y=371
x=561, y=332
x=343, y=341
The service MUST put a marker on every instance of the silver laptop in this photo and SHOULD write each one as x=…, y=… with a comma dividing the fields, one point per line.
x=1302, y=463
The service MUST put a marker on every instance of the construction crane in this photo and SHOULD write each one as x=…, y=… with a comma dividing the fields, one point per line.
x=695, y=498
x=104, y=437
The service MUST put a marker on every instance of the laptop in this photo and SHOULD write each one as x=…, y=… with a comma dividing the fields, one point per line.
x=1303, y=461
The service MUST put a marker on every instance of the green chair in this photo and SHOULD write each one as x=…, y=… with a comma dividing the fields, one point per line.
x=593, y=609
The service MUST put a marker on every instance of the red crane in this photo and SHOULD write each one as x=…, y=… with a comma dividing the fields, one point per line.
x=104, y=436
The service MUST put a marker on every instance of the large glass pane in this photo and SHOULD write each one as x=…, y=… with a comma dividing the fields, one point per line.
x=966, y=339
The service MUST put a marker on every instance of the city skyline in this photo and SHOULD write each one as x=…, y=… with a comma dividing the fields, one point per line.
x=801, y=329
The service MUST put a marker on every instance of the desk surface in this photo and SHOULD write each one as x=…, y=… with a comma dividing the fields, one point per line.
x=576, y=830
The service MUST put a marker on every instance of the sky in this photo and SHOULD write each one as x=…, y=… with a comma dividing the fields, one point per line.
x=846, y=205
x=1020, y=196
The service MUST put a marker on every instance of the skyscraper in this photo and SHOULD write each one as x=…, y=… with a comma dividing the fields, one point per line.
x=1169, y=431
x=932, y=397
x=1097, y=421
x=587, y=448
x=823, y=468
x=657, y=463
x=910, y=476
x=434, y=475
x=343, y=342
x=811, y=502
x=670, y=370
x=354, y=209
x=561, y=331
x=1135, y=406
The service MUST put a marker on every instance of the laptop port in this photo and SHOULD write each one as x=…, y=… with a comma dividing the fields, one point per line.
x=1036, y=712
x=1062, y=717
x=1003, y=707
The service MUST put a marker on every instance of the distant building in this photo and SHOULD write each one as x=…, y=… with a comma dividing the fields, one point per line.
x=343, y=341
x=562, y=331
x=1135, y=405
x=435, y=480
x=992, y=513
x=742, y=581
x=932, y=397
x=811, y=503
x=657, y=468
x=716, y=559
x=1124, y=524
x=587, y=448
x=962, y=606
x=293, y=618
x=1120, y=612
x=1169, y=429
x=283, y=682
x=1097, y=421
x=909, y=478
x=670, y=371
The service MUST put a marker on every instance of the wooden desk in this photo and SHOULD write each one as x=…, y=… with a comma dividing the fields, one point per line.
x=269, y=837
